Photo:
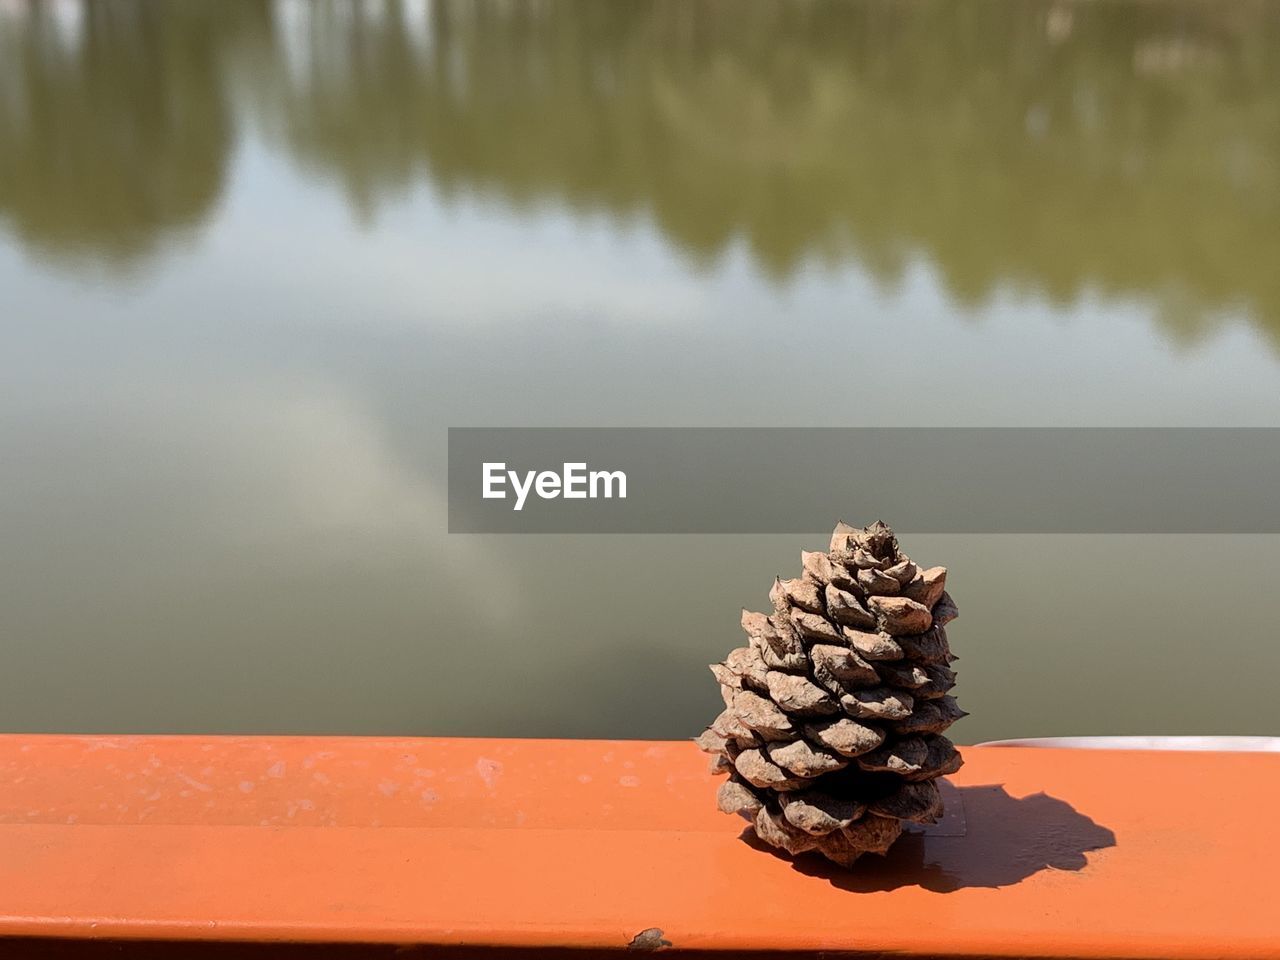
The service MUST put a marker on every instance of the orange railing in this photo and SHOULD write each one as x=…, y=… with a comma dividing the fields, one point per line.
x=540, y=844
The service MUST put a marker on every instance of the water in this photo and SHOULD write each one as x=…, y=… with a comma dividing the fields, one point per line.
x=256, y=257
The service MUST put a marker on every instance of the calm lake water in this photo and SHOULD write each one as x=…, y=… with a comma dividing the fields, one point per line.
x=256, y=257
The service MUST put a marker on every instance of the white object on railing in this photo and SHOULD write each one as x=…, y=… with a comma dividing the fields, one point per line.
x=1235, y=744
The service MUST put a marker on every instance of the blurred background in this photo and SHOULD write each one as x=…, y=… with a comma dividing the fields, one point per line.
x=256, y=257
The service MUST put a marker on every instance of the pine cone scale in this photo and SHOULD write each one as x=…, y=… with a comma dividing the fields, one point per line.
x=873, y=646
x=846, y=737
x=819, y=813
x=805, y=760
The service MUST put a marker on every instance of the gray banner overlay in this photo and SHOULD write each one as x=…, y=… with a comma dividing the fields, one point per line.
x=795, y=480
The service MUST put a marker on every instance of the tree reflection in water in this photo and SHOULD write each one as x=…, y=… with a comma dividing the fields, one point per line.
x=1128, y=149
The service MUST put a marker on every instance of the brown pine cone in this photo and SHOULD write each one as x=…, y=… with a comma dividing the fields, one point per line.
x=834, y=711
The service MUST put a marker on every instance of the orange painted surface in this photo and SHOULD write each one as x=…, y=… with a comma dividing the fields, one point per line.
x=587, y=843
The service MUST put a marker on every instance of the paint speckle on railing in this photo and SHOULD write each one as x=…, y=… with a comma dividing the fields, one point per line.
x=191, y=781
x=489, y=771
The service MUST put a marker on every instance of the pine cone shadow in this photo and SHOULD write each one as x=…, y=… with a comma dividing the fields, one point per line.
x=993, y=840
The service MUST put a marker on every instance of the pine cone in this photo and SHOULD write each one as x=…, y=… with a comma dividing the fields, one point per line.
x=832, y=730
